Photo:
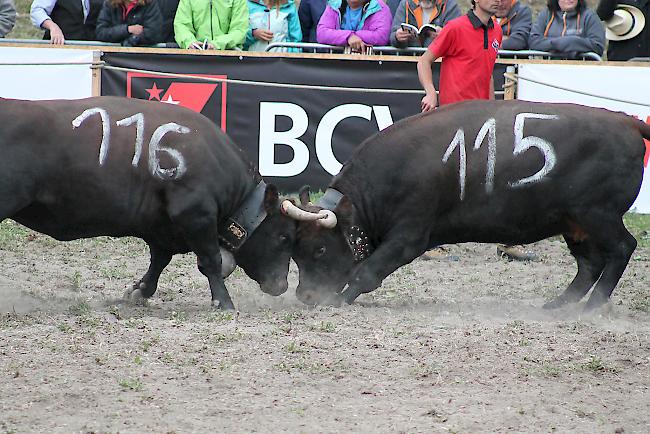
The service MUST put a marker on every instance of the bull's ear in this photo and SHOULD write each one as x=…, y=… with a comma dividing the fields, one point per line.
x=303, y=194
x=344, y=212
x=271, y=197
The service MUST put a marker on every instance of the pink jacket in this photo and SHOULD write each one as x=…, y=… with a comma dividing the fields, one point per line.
x=375, y=24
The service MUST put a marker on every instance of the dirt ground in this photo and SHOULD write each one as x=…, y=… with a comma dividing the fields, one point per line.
x=444, y=346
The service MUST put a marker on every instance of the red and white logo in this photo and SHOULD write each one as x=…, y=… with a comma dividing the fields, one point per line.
x=207, y=98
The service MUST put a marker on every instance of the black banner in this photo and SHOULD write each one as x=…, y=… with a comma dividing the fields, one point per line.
x=295, y=136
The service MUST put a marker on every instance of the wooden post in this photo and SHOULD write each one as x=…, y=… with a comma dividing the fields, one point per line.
x=509, y=85
x=97, y=74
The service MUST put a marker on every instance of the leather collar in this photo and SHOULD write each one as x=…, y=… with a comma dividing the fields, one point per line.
x=239, y=226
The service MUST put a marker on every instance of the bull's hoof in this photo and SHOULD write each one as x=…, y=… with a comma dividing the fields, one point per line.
x=349, y=296
x=596, y=301
x=556, y=303
x=223, y=305
x=134, y=295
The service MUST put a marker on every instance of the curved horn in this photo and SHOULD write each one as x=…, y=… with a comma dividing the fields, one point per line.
x=296, y=213
x=328, y=219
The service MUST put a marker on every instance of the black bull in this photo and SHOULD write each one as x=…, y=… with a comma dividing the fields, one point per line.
x=509, y=172
x=123, y=167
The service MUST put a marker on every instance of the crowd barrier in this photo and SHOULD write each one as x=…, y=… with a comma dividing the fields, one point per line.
x=307, y=47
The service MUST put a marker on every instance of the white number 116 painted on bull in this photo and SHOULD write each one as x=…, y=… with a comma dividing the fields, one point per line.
x=154, y=144
x=521, y=144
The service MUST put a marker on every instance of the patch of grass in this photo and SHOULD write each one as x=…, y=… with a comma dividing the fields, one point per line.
x=115, y=272
x=133, y=384
x=13, y=235
x=639, y=226
x=324, y=327
x=220, y=316
x=64, y=327
x=75, y=279
x=595, y=364
x=290, y=317
x=80, y=308
x=146, y=345
x=178, y=317
x=220, y=338
x=293, y=348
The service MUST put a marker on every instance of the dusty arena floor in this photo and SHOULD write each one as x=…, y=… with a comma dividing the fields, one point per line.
x=444, y=346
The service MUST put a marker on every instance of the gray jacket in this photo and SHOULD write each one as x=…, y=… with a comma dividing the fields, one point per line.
x=448, y=11
x=516, y=27
x=569, y=33
x=7, y=16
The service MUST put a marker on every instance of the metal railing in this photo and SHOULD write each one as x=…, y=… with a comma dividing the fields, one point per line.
x=82, y=43
x=309, y=47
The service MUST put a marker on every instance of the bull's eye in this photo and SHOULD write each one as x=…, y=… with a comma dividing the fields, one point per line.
x=284, y=239
x=320, y=252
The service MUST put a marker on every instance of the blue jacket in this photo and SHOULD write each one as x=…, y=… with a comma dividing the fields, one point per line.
x=283, y=22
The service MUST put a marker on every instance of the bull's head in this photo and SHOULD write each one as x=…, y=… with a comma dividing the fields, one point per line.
x=321, y=250
x=266, y=253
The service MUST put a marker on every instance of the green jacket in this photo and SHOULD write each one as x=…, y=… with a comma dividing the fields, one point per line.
x=224, y=23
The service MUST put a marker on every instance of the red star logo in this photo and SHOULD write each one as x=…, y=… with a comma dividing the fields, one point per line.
x=154, y=92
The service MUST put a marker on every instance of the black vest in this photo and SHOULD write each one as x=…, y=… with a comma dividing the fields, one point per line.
x=69, y=16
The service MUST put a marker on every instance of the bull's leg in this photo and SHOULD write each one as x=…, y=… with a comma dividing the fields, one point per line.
x=590, y=265
x=400, y=247
x=198, y=222
x=210, y=266
x=618, y=245
x=146, y=287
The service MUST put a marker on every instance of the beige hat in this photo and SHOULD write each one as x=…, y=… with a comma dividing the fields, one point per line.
x=626, y=23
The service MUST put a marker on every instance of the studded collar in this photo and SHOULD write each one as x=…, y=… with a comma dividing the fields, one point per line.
x=356, y=237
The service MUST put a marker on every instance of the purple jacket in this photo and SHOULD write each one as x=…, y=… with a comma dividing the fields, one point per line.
x=375, y=24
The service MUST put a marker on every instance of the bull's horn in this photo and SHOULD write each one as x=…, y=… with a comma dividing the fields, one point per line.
x=329, y=219
x=300, y=214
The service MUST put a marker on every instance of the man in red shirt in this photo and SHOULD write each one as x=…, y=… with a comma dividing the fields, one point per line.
x=468, y=46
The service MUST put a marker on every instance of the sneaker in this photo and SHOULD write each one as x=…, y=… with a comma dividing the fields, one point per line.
x=515, y=253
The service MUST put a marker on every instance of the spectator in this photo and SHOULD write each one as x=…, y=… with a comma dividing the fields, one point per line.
x=66, y=19
x=515, y=20
x=309, y=13
x=7, y=17
x=567, y=27
x=625, y=28
x=214, y=24
x=168, y=12
x=355, y=24
x=130, y=22
x=272, y=21
x=418, y=13
x=468, y=46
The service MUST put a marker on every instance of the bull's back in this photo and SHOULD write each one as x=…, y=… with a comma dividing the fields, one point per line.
x=496, y=168
x=87, y=178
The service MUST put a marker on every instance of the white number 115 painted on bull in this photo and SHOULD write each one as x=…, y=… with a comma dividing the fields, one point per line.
x=521, y=144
